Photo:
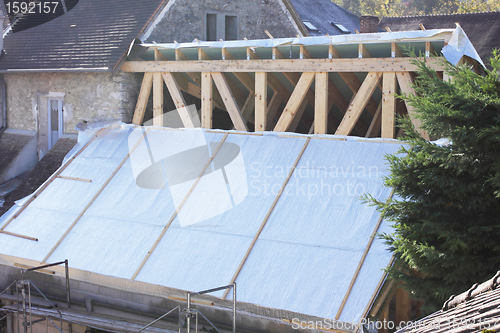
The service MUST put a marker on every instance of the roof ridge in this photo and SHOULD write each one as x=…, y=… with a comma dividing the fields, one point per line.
x=438, y=15
x=472, y=292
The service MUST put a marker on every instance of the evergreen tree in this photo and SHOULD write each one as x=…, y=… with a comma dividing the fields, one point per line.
x=446, y=207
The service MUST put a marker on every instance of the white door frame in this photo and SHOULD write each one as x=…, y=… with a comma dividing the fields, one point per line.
x=60, y=125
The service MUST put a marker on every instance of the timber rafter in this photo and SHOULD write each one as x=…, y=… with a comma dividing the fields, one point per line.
x=288, y=92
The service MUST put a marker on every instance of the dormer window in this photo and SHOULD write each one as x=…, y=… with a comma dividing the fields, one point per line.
x=310, y=26
x=340, y=27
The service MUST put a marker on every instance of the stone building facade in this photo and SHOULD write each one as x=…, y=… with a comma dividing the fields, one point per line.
x=85, y=97
x=185, y=20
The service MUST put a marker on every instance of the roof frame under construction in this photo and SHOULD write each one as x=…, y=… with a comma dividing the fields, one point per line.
x=347, y=82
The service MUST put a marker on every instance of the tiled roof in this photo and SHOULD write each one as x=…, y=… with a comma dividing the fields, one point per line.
x=42, y=171
x=321, y=13
x=92, y=34
x=472, y=311
x=483, y=29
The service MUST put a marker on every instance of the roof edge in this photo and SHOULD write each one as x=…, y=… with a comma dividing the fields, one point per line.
x=152, y=19
x=295, y=16
x=439, y=15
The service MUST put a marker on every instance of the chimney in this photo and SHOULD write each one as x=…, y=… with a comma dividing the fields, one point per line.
x=368, y=24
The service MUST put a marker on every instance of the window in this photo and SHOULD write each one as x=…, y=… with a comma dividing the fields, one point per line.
x=221, y=26
x=231, y=28
x=55, y=120
x=211, y=26
x=310, y=26
x=341, y=28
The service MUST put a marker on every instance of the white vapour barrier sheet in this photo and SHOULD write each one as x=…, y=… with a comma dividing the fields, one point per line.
x=321, y=222
x=458, y=45
x=189, y=251
x=145, y=189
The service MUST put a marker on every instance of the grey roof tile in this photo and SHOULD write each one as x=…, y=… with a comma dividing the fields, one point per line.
x=92, y=34
x=321, y=13
x=472, y=311
x=483, y=29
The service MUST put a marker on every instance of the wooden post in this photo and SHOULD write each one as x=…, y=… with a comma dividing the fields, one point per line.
x=405, y=81
x=229, y=102
x=384, y=318
x=375, y=125
x=206, y=100
x=180, y=103
x=389, y=105
x=260, y=101
x=272, y=110
x=321, y=104
x=142, y=100
x=157, y=99
x=294, y=102
x=403, y=306
x=358, y=103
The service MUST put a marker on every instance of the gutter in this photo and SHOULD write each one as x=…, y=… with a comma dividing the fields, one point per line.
x=57, y=70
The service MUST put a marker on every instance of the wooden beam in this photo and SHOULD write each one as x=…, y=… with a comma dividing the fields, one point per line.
x=295, y=77
x=157, y=99
x=202, y=55
x=142, y=100
x=405, y=83
x=229, y=102
x=298, y=116
x=179, y=101
x=304, y=54
x=389, y=105
x=277, y=54
x=260, y=101
x=384, y=318
x=245, y=78
x=375, y=125
x=363, y=51
x=251, y=55
x=334, y=95
x=395, y=51
x=158, y=93
x=347, y=65
x=333, y=53
x=321, y=106
x=248, y=108
x=352, y=80
x=239, y=96
x=206, y=100
x=18, y=235
x=429, y=50
x=294, y=102
x=358, y=104
x=179, y=56
x=403, y=306
x=272, y=110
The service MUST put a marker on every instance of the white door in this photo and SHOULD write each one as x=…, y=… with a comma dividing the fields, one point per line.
x=55, y=120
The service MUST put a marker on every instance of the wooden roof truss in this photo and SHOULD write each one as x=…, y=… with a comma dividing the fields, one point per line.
x=267, y=88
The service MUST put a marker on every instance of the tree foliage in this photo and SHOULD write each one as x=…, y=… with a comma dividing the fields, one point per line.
x=446, y=207
x=382, y=8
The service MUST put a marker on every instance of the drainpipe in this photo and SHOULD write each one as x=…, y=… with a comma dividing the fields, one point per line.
x=3, y=105
x=3, y=96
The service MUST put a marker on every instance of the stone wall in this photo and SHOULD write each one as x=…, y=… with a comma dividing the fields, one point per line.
x=86, y=97
x=186, y=20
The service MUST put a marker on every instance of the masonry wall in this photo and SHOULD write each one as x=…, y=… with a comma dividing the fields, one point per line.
x=186, y=20
x=86, y=97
